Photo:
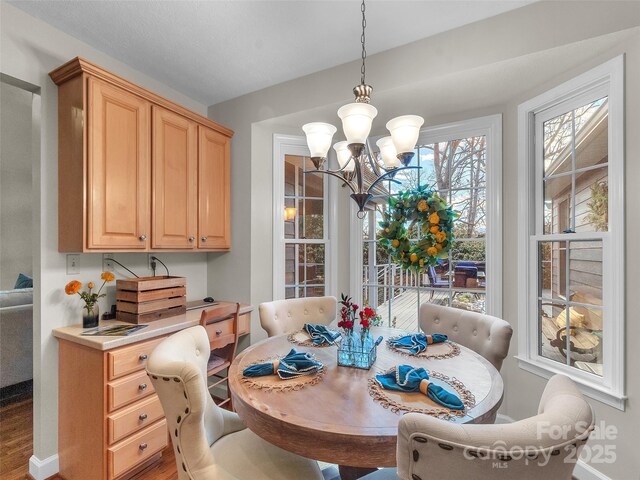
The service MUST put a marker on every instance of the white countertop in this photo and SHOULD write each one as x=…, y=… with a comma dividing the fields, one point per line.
x=154, y=329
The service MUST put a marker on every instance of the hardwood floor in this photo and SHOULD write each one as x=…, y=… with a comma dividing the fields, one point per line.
x=16, y=447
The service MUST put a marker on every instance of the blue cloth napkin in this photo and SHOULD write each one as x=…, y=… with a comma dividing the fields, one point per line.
x=405, y=378
x=320, y=334
x=417, y=342
x=295, y=364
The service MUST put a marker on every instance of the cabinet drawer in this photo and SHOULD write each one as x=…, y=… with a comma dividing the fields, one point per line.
x=220, y=333
x=136, y=449
x=130, y=359
x=128, y=389
x=134, y=418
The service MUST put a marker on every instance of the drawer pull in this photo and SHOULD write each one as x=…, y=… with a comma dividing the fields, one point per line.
x=142, y=387
x=218, y=332
x=143, y=446
x=143, y=357
x=143, y=417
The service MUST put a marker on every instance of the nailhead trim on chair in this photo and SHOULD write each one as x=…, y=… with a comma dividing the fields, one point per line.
x=444, y=446
x=420, y=439
x=416, y=455
x=415, y=477
x=555, y=452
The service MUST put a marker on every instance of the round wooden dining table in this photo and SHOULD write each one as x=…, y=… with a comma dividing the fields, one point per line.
x=336, y=420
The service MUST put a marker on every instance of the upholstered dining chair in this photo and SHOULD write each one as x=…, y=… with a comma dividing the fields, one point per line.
x=209, y=442
x=285, y=316
x=533, y=448
x=486, y=335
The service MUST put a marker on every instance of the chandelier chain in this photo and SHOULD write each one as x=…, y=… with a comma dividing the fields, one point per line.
x=362, y=40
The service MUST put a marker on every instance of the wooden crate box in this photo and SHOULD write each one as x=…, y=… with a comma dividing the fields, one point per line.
x=140, y=300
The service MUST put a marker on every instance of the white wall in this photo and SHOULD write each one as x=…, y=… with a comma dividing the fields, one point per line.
x=480, y=69
x=29, y=50
x=15, y=184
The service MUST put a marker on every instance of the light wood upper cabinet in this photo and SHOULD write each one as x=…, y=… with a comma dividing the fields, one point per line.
x=174, y=181
x=118, y=173
x=136, y=171
x=214, y=185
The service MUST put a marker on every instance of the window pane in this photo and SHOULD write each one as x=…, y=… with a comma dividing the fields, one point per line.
x=290, y=264
x=467, y=164
x=592, y=201
x=290, y=175
x=428, y=175
x=471, y=205
x=313, y=183
x=557, y=204
x=552, y=325
x=585, y=274
x=407, y=178
x=289, y=292
x=311, y=223
x=290, y=218
x=585, y=344
x=558, y=138
x=552, y=281
x=473, y=302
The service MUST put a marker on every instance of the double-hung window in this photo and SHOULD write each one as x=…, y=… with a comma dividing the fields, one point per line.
x=572, y=232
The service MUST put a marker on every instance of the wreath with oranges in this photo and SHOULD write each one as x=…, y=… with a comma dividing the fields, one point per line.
x=427, y=217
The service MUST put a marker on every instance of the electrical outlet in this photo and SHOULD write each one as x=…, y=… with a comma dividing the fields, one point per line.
x=73, y=264
x=107, y=264
x=150, y=263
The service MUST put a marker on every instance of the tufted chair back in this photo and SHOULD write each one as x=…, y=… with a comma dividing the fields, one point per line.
x=178, y=369
x=285, y=316
x=489, y=336
x=544, y=446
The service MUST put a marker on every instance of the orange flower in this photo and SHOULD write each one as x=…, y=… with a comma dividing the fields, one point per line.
x=434, y=218
x=438, y=246
x=73, y=287
x=422, y=205
x=107, y=276
x=413, y=257
x=395, y=243
x=441, y=237
x=432, y=251
x=434, y=229
x=90, y=285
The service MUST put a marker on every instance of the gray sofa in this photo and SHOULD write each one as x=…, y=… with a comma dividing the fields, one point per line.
x=16, y=336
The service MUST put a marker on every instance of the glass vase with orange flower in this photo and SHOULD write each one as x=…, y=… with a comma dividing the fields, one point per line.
x=91, y=310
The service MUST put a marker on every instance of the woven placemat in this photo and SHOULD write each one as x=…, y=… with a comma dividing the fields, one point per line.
x=301, y=337
x=402, y=402
x=435, y=351
x=274, y=383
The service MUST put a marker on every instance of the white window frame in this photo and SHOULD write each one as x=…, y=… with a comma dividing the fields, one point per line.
x=604, y=80
x=491, y=127
x=297, y=145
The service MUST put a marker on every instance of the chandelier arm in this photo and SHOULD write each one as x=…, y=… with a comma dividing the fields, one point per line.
x=385, y=175
x=328, y=170
x=334, y=173
x=374, y=165
x=359, y=179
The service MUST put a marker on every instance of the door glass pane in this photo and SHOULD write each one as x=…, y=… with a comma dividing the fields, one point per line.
x=311, y=219
x=552, y=282
x=557, y=204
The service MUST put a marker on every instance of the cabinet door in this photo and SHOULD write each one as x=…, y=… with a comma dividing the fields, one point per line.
x=174, y=173
x=214, y=190
x=118, y=169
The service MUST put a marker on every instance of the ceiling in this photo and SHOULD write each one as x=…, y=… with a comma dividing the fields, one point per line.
x=216, y=50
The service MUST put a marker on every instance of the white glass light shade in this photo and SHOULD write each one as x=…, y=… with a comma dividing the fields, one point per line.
x=388, y=152
x=344, y=155
x=356, y=121
x=319, y=136
x=404, y=131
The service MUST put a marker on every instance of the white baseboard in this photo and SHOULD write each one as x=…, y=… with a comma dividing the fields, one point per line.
x=43, y=469
x=584, y=471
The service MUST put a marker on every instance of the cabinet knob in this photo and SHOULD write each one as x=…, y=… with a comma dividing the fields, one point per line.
x=142, y=387
x=143, y=357
x=192, y=238
x=142, y=237
x=143, y=417
x=218, y=332
x=143, y=446
x=204, y=239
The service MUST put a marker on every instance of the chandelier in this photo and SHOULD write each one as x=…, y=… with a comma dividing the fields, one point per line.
x=359, y=170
